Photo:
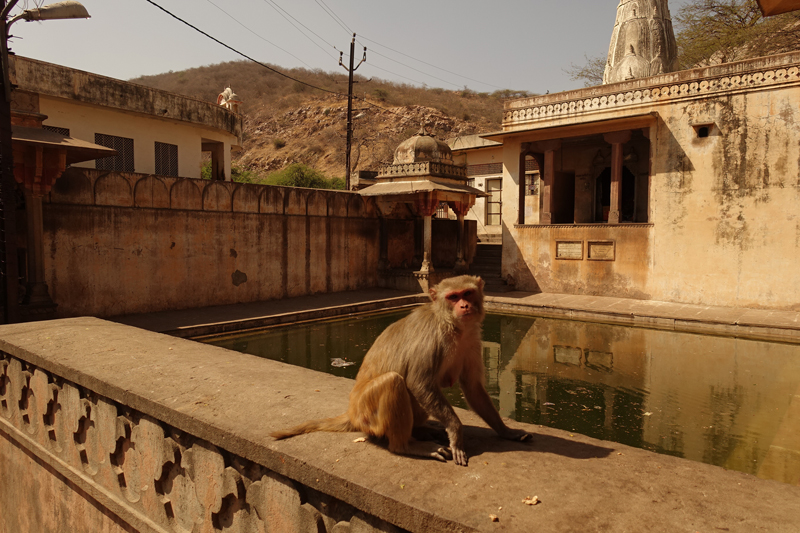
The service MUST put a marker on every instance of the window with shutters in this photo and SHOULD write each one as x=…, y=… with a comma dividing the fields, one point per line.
x=166, y=159
x=123, y=161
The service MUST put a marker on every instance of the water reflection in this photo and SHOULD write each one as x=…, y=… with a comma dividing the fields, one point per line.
x=724, y=401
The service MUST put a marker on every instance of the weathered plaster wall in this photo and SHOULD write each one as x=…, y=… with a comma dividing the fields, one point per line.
x=119, y=243
x=539, y=267
x=725, y=209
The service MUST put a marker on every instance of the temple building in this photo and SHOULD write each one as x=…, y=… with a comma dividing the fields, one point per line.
x=674, y=187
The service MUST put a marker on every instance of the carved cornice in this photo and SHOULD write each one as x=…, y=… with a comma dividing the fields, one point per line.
x=664, y=88
x=424, y=168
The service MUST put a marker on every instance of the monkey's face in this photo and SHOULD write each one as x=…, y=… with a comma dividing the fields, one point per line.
x=465, y=304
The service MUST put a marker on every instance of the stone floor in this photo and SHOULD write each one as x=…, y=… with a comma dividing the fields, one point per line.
x=782, y=326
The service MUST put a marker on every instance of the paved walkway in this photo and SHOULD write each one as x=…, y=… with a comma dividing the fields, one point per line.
x=759, y=324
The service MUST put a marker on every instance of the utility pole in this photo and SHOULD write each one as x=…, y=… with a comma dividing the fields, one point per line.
x=350, y=103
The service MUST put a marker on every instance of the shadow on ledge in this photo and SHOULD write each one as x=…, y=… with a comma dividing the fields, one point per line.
x=480, y=440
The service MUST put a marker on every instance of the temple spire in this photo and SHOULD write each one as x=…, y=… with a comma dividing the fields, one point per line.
x=642, y=43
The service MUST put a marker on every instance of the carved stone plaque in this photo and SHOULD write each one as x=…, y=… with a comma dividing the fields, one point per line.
x=601, y=250
x=569, y=250
x=567, y=355
x=600, y=360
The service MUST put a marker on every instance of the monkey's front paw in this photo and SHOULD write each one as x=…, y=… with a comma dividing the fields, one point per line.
x=459, y=456
x=516, y=434
x=442, y=454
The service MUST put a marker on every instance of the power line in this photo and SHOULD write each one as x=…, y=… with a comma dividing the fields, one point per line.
x=396, y=74
x=417, y=70
x=282, y=12
x=333, y=15
x=429, y=64
x=257, y=35
x=276, y=71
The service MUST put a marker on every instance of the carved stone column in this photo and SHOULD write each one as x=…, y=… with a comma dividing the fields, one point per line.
x=426, y=207
x=37, y=170
x=549, y=148
x=460, y=209
x=617, y=141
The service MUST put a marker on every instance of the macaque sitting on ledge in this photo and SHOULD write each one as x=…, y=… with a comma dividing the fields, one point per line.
x=399, y=385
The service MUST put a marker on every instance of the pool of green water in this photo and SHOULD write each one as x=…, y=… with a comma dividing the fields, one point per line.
x=729, y=402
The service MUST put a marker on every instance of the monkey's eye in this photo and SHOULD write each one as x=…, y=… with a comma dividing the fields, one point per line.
x=467, y=294
x=453, y=297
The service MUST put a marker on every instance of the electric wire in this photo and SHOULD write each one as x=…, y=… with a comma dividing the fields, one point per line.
x=286, y=15
x=257, y=35
x=276, y=71
x=334, y=16
x=429, y=64
x=416, y=69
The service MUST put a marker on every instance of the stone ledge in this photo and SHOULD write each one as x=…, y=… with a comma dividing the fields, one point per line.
x=232, y=401
x=644, y=313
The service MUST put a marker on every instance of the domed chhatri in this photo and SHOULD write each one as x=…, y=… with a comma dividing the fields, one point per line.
x=422, y=147
x=423, y=176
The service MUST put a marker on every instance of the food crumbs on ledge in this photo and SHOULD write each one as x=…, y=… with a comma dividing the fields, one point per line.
x=361, y=439
x=494, y=518
x=531, y=500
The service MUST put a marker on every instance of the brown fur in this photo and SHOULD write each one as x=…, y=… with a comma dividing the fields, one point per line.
x=399, y=384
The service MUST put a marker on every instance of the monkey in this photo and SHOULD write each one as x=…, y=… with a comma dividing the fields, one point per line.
x=399, y=385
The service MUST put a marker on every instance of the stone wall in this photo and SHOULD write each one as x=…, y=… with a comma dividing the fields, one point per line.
x=120, y=243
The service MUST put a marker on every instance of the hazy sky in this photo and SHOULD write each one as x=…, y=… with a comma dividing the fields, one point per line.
x=484, y=45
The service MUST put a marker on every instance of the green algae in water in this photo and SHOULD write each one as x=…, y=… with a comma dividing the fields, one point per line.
x=729, y=402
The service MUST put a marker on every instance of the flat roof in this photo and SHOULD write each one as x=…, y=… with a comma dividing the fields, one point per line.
x=592, y=127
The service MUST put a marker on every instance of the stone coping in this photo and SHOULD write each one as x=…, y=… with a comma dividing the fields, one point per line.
x=754, y=324
x=217, y=320
x=235, y=400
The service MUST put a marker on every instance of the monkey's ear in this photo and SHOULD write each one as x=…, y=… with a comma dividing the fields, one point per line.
x=432, y=293
x=480, y=282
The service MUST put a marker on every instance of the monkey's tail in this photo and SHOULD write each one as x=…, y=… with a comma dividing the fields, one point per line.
x=338, y=424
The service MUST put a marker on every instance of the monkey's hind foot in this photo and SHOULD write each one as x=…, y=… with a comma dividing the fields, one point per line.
x=430, y=450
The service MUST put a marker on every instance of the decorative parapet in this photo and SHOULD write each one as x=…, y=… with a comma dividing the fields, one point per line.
x=79, y=186
x=704, y=82
x=424, y=168
x=105, y=427
x=137, y=460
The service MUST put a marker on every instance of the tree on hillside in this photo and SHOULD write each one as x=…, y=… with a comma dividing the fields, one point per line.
x=710, y=32
x=721, y=31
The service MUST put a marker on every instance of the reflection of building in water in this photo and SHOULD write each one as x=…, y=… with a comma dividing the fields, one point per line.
x=724, y=401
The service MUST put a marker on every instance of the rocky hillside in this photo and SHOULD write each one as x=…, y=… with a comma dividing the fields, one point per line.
x=315, y=134
x=287, y=122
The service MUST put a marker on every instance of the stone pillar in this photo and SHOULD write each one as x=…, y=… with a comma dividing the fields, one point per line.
x=522, y=192
x=617, y=141
x=426, y=207
x=37, y=170
x=460, y=209
x=36, y=292
x=549, y=148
